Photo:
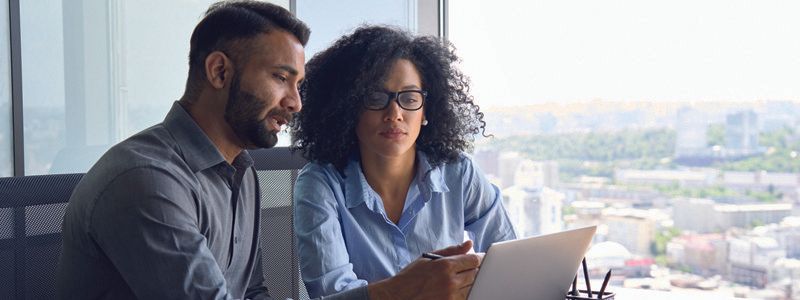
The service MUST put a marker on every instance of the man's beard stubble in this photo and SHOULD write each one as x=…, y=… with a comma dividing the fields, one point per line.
x=242, y=114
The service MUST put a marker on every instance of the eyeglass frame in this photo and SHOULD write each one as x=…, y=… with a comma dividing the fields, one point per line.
x=396, y=97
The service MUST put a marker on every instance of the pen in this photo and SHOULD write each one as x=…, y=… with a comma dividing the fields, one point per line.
x=432, y=256
x=586, y=277
x=605, y=283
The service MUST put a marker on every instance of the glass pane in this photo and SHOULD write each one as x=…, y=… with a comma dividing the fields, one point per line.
x=6, y=140
x=673, y=126
x=330, y=19
x=95, y=72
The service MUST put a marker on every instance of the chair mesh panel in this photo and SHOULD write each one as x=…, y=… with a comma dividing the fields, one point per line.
x=31, y=212
x=6, y=273
x=40, y=270
x=44, y=219
x=6, y=223
x=277, y=235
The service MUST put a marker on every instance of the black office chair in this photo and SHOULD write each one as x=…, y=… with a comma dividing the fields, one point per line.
x=277, y=171
x=31, y=212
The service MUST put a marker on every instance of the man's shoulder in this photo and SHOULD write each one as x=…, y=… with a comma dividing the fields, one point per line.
x=148, y=156
x=152, y=149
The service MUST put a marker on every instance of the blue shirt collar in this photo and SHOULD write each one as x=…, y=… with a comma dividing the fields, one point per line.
x=429, y=180
x=197, y=149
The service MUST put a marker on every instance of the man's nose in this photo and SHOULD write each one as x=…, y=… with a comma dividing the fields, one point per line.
x=293, y=103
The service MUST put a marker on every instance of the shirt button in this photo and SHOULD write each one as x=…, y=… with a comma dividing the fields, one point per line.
x=236, y=240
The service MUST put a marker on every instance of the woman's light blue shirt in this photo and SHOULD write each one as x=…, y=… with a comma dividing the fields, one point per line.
x=345, y=239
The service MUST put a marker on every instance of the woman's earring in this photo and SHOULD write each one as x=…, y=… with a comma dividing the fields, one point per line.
x=424, y=122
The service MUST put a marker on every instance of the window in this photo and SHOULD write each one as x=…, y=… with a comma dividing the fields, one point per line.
x=6, y=140
x=672, y=125
x=330, y=19
x=96, y=72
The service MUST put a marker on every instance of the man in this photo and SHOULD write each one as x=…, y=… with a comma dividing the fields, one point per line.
x=172, y=212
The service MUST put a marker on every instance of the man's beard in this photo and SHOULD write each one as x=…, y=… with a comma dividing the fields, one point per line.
x=242, y=114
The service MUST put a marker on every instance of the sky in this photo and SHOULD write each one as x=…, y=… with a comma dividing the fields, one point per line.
x=531, y=51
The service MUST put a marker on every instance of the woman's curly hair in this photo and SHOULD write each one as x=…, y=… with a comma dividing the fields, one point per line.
x=338, y=78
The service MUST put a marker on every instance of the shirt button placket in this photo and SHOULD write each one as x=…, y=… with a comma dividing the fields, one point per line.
x=400, y=250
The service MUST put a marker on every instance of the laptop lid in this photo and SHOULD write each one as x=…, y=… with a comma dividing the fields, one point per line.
x=539, y=267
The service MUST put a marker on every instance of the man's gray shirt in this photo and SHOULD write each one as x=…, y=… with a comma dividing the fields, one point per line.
x=162, y=215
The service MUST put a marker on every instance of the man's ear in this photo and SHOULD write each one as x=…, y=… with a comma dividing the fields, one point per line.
x=219, y=69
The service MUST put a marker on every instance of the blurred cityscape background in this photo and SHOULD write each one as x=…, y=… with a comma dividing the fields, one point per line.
x=687, y=196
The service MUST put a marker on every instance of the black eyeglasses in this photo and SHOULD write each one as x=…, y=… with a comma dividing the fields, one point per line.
x=407, y=99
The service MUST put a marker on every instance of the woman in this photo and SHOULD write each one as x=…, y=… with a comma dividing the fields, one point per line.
x=385, y=121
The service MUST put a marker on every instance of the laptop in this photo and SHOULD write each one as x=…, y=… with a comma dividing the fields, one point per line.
x=540, y=267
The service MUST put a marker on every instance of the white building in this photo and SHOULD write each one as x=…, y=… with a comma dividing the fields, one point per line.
x=786, y=183
x=690, y=133
x=741, y=133
x=635, y=229
x=534, y=210
x=749, y=215
x=705, y=215
x=536, y=173
x=751, y=259
x=786, y=233
x=703, y=254
x=507, y=164
x=694, y=214
x=684, y=178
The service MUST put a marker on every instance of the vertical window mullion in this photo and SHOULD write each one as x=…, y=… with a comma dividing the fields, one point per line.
x=16, y=88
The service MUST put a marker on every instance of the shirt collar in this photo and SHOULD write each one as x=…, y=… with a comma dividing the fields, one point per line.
x=429, y=179
x=197, y=149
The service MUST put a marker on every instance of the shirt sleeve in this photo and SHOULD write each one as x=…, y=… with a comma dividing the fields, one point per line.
x=145, y=222
x=485, y=217
x=359, y=293
x=324, y=261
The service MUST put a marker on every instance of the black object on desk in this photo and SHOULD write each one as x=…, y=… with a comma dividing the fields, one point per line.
x=431, y=256
x=583, y=295
x=588, y=294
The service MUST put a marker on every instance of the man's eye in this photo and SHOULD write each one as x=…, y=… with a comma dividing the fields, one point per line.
x=280, y=77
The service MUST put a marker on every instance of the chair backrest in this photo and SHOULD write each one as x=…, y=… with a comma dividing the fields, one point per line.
x=277, y=170
x=31, y=212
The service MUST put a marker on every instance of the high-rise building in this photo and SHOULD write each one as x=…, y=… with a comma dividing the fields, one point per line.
x=534, y=210
x=536, y=173
x=507, y=164
x=741, y=133
x=690, y=133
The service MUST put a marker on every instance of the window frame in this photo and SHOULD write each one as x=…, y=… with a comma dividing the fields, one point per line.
x=431, y=20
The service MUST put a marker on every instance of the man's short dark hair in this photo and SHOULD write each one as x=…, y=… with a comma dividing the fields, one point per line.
x=228, y=25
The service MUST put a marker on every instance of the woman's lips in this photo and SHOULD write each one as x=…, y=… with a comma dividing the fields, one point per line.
x=393, y=134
